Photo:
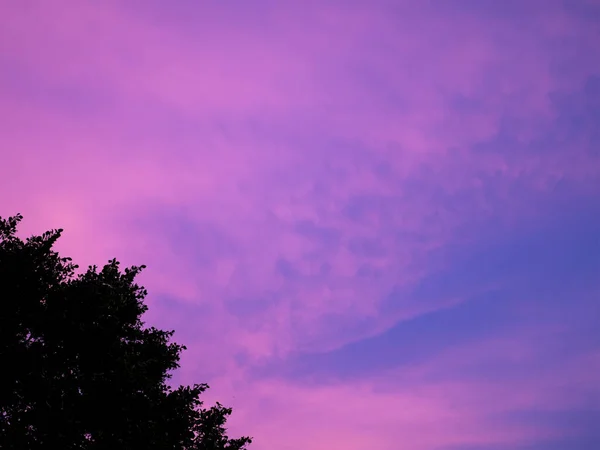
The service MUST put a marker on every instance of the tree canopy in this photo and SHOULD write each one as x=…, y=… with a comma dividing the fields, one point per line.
x=79, y=369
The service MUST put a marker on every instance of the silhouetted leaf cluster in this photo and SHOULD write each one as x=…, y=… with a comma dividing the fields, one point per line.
x=79, y=370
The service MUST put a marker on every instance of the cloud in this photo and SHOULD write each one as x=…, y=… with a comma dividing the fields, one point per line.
x=312, y=185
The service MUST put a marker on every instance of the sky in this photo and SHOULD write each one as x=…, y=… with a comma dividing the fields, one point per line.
x=375, y=224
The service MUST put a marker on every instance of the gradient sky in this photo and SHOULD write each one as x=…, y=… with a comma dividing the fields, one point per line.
x=375, y=224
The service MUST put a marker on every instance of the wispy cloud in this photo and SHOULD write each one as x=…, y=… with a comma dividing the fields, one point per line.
x=373, y=223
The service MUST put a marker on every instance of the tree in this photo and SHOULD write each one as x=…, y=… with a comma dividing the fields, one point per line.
x=78, y=368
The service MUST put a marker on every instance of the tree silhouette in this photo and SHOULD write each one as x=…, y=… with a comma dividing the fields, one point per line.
x=78, y=368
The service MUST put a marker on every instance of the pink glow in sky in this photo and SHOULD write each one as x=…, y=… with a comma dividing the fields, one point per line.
x=375, y=224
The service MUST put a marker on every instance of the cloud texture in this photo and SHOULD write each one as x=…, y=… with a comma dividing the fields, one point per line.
x=375, y=224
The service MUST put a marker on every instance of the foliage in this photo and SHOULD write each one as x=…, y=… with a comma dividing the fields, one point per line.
x=79, y=368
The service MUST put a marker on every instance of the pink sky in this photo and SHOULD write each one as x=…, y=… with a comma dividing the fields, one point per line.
x=374, y=224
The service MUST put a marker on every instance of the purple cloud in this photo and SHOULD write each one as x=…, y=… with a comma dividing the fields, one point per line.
x=372, y=223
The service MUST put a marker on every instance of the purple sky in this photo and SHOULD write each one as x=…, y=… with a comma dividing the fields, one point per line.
x=375, y=224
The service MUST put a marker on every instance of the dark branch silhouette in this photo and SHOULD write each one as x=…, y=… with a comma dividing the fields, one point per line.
x=79, y=370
